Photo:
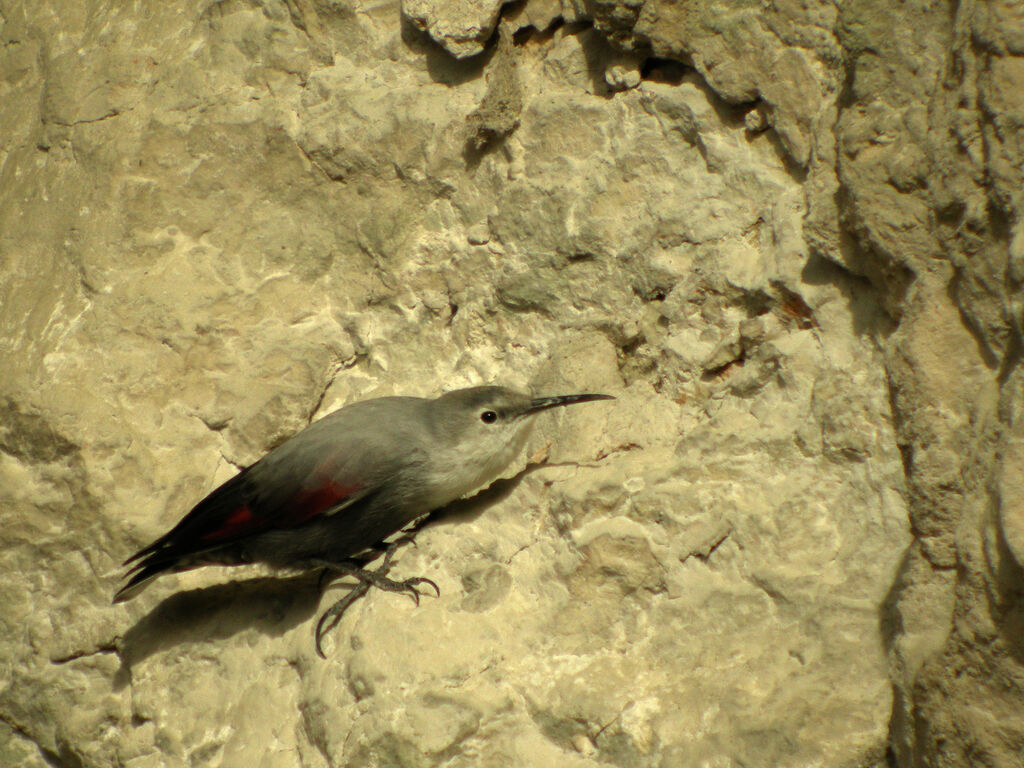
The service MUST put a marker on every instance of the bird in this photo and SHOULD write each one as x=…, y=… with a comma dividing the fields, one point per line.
x=331, y=495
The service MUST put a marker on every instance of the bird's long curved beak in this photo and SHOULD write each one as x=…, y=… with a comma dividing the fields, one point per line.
x=543, y=403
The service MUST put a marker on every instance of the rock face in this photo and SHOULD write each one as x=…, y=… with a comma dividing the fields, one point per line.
x=787, y=236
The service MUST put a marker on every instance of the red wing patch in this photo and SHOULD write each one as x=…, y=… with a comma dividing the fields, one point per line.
x=243, y=522
x=319, y=500
x=235, y=524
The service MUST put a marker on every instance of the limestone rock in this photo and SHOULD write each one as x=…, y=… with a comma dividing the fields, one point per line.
x=462, y=27
x=785, y=236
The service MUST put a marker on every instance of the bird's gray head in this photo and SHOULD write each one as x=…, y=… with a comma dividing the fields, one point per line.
x=480, y=430
x=490, y=412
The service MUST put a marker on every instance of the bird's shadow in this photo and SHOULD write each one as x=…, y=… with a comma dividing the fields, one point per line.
x=270, y=604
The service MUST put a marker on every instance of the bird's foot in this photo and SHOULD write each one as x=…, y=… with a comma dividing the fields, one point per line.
x=375, y=578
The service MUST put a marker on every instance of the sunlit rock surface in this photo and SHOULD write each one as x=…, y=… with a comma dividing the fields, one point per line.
x=787, y=237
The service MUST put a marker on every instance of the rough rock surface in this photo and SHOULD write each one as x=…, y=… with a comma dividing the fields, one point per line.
x=461, y=26
x=787, y=236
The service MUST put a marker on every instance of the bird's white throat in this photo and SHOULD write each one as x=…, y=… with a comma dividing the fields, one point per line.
x=472, y=464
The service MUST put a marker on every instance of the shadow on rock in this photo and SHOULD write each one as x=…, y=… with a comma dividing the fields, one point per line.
x=272, y=605
x=1008, y=609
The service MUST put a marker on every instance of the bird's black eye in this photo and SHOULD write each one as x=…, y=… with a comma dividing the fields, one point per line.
x=488, y=417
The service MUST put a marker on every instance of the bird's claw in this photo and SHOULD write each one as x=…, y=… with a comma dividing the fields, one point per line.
x=409, y=585
x=425, y=580
x=376, y=578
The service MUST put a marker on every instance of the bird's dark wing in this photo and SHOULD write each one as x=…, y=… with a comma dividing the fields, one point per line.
x=334, y=464
x=269, y=495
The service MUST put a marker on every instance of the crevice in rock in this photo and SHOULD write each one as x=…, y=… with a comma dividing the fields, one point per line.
x=232, y=463
x=218, y=9
x=332, y=376
x=62, y=759
x=1012, y=357
x=797, y=171
x=597, y=734
x=776, y=595
x=315, y=163
x=715, y=373
x=703, y=550
x=531, y=34
x=1007, y=606
x=654, y=293
x=218, y=425
x=971, y=323
x=890, y=279
x=576, y=258
x=791, y=307
x=658, y=69
x=637, y=361
x=497, y=116
x=106, y=648
x=100, y=119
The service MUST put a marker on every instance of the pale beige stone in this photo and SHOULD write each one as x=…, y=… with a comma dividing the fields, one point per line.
x=787, y=242
x=462, y=27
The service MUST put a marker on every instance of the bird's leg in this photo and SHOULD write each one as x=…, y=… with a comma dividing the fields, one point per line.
x=375, y=578
x=330, y=570
x=378, y=577
x=357, y=565
x=334, y=614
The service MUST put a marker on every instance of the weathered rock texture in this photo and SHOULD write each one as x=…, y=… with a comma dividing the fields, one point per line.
x=787, y=235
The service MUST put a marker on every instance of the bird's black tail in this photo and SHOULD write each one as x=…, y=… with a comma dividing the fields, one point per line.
x=165, y=555
x=138, y=582
x=150, y=562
